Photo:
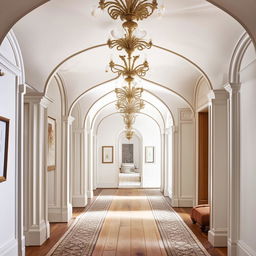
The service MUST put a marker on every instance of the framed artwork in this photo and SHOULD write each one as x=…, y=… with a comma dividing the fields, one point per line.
x=51, y=144
x=127, y=153
x=4, y=143
x=107, y=154
x=149, y=154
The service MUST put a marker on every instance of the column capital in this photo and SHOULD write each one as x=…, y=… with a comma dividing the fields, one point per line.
x=174, y=129
x=68, y=119
x=166, y=131
x=233, y=87
x=37, y=98
x=22, y=88
x=219, y=94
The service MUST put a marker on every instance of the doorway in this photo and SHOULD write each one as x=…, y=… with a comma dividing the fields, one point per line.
x=130, y=164
x=203, y=157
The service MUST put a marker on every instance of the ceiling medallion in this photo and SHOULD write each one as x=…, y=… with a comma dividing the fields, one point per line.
x=129, y=99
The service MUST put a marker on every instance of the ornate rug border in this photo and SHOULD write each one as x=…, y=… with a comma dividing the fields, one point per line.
x=181, y=221
x=75, y=222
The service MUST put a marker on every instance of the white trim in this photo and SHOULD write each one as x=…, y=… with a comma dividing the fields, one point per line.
x=218, y=237
x=79, y=201
x=107, y=185
x=10, y=248
x=90, y=194
x=37, y=234
x=59, y=214
x=186, y=202
x=237, y=57
x=244, y=250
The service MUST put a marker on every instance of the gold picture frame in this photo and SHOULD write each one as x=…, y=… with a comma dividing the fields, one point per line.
x=51, y=144
x=107, y=154
x=4, y=144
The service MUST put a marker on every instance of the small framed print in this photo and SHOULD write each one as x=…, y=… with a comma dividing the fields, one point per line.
x=107, y=154
x=4, y=144
x=51, y=144
x=149, y=154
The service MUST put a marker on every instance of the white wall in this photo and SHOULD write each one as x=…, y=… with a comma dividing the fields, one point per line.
x=247, y=243
x=8, y=200
x=108, y=135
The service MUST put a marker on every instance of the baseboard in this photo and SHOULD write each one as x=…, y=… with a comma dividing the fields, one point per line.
x=90, y=194
x=232, y=248
x=58, y=214
x=23, y=246
x=79, y=201
x=218, y=238
x=174, y=202
x=37, y=234
x=185, y=202
x=107, y=185
x=244, y=250
x=10, y=248
x=166, y=193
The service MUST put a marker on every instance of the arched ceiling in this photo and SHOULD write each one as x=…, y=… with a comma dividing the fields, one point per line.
x=242, y=10
x=195, y=29
x=110, y=109
x=91, y=106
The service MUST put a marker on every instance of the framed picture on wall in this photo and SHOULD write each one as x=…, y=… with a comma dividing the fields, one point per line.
x=51, y=144
x=149, y=154
x=107, y=154
x=4, y=143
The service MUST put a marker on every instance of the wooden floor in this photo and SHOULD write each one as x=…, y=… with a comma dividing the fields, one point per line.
x=129, y=229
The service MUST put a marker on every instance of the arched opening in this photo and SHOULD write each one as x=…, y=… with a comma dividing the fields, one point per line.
x=130, y=161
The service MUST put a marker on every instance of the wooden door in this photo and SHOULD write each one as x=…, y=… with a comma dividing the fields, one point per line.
x=203, y=158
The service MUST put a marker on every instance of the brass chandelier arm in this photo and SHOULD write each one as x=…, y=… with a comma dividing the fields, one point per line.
x=129, y=44
x=129, y=10
x=129, y=70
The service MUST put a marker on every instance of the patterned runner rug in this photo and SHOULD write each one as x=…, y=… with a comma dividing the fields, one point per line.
x=178, y=239
x=82, y=236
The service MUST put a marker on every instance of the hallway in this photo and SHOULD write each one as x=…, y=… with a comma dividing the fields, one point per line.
x=130, y=228
x=118, y=118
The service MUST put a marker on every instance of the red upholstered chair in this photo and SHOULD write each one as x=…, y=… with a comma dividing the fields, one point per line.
x=201, y=214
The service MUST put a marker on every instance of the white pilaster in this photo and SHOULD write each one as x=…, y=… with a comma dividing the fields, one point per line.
x=66, y=203
x=19, y=166
x=218, y=166
x=90, y=163
x=184, y=175
x=175, y=180
x=162, y=186
x=167, y=162
x=79, y=195
x=36, y=225
x=234, y=167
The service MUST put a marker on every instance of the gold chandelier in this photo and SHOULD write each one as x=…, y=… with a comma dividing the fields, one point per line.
x=129, y=134
x=129, y=99
x=129, y=10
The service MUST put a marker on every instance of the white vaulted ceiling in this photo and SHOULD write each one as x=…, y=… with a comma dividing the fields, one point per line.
x=192, y=39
